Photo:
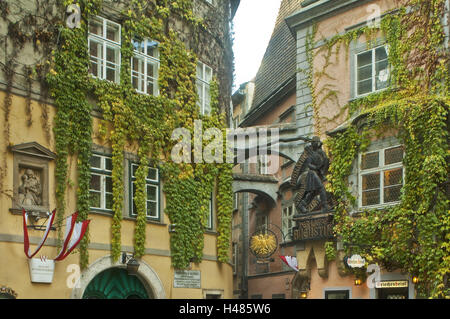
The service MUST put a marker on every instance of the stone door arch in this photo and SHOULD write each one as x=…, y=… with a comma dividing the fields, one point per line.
x=146, y=275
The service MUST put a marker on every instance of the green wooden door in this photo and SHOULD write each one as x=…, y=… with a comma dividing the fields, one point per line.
x=115, y=283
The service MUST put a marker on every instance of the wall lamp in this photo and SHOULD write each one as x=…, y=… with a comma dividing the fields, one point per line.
x=131, y=262
x=358, y=282
x=415, y=279
x=303, y=294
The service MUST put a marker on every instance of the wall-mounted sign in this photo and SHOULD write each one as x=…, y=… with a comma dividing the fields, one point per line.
x=41, y=271
x=392, y=284
x=187, y=279
x=356, y=261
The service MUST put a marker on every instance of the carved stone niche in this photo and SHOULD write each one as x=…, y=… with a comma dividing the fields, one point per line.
x=30, y=179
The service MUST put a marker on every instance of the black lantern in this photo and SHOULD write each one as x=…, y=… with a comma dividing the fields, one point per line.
x=132, y=264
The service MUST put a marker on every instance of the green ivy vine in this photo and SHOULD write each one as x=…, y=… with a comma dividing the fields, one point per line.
x=132, y=119
x=413, y=236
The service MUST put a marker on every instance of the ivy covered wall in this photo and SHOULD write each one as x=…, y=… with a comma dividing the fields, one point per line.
x=61, y=77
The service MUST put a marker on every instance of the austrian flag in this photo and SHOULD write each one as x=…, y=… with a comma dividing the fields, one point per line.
x=72, y=237
x=290, y=261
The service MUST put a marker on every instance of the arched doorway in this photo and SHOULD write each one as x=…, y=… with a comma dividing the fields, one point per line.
x=115, y=283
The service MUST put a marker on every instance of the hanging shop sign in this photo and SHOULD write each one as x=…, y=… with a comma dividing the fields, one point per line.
x=355, y=261
x=41, y=270
x=263, y=243
x=391, y=284
x=187, y=279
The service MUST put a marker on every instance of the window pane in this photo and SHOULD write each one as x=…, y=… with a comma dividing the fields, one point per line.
x=392, y=193
x=364, y=59
x=108, y=184
x=370, y=197
x=112, y=55
x=108, y=201
x=393, y=155
x=382, y=75
x=152, y=174
x=208, y=74
x=151, y=69
x=94, y=199
x=96, y=27
x=112, y=31
x=150, y=87
x=380, y=54
x=365, y=73
x=95, y=49
x=96, y=161
x=371, y=181
x=108, y=164
x=364, y=87
x=134, y=168
x=152, y=209
x=133, y=191
x=152, y=48
x=207, y=105
x=199, y=70
x=369, y=160
x=393, y=177
x=151, y=192
x=95, y=182
x=111, y=74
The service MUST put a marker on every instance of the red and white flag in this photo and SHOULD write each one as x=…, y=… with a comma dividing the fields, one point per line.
x=78, y=232
x=290, y=261
x=26, y=241
x=70, y=224
x=73, y=234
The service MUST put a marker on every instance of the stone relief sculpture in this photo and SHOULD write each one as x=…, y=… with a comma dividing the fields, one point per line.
x=30, y=189
x=308, y=179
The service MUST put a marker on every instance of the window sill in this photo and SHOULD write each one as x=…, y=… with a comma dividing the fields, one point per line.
x=363, y=209
x=148, y=221
x=211, y=232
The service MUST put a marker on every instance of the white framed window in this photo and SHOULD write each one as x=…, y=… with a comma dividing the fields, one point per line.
x=372, y=70
x=287, y=222
x=100, y=187
x=104, y=42
x=152, y=188
x=209, y=220
x=381, y=176
x=204, y=77
x=145, y=66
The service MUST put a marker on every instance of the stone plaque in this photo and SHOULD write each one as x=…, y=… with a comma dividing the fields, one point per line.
x=41, y=271
x=187, y=279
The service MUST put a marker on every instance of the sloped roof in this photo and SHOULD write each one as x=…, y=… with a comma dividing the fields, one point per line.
x=279, y=62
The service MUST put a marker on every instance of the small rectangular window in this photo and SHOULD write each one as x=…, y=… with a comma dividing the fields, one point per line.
x=104, y=42
x=152, y=192
x=145, y=66
x=101, y=187
x=372, y=70
x=381, y=176
x=204, y=77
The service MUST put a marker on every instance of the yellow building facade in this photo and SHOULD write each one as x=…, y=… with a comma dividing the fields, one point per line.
x=28, y=144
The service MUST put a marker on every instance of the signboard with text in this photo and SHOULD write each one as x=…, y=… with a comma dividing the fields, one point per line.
x=41, y=271
x=391, y=284
x=187, y=279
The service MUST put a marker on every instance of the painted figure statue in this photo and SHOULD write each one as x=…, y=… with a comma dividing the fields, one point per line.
x=308, y=178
